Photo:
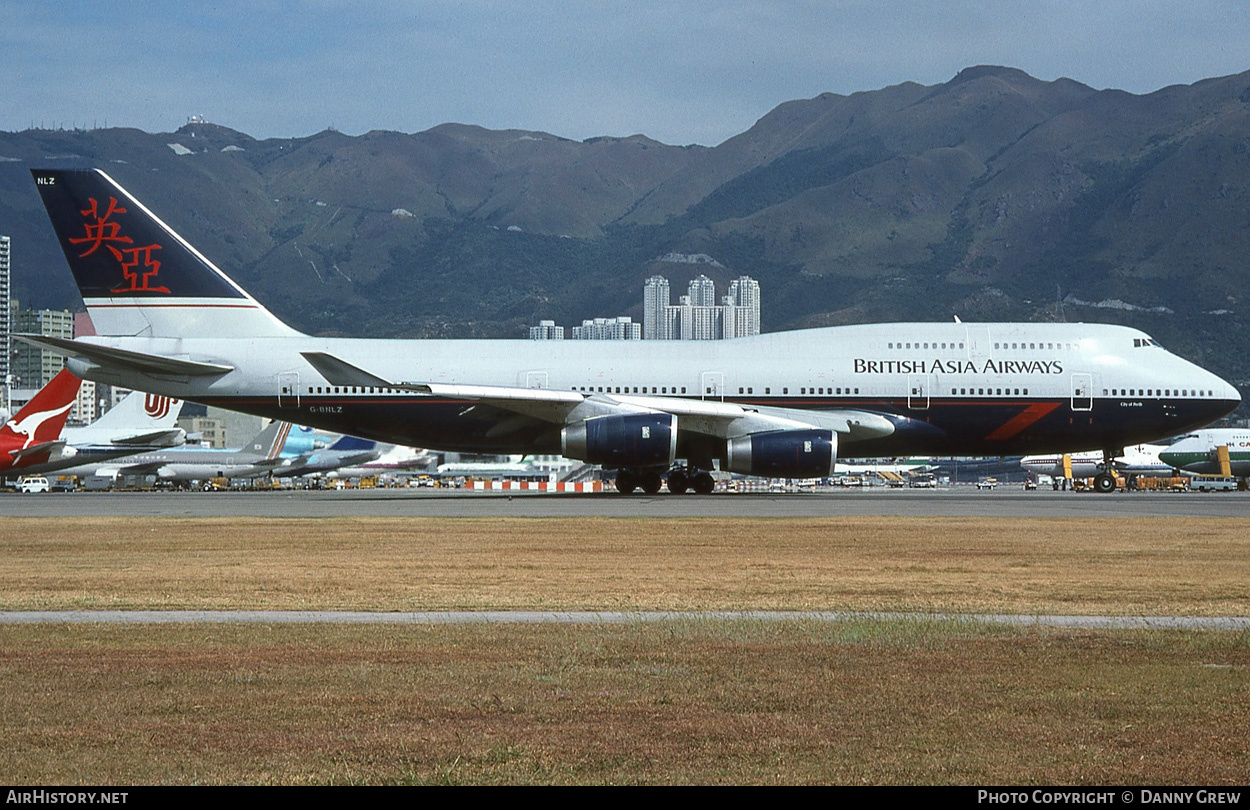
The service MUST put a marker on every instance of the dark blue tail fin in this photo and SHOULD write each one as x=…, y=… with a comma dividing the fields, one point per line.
x=352, y=443
x=136, y=275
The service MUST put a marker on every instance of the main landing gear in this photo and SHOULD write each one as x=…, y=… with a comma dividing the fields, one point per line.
x=647, y=480
x=680, y=479
x=1105, y=481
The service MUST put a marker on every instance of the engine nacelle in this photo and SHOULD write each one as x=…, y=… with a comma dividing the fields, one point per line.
x=632, y=440
x=784, y=454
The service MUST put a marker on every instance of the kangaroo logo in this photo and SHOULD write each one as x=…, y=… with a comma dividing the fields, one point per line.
x=29, y=425
x=157, y=407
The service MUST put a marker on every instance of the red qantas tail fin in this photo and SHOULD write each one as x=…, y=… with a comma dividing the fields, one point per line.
x=41, y=419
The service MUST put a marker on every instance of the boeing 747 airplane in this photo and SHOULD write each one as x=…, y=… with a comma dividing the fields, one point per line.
x=1140, y=459
x=1199, y=452
x=784, y=404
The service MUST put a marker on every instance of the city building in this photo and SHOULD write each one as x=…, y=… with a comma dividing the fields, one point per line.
x=697, y=316
x=86, y=407
x=702, y=292
x=655, y=302
x=619, y=328
x=34, y=367
x=744, y=296
x=546, y=330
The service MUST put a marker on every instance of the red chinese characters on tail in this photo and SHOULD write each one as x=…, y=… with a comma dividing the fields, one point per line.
x=138, y=263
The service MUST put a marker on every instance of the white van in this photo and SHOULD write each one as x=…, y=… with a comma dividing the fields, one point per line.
x=35, y=483
x=1213, y=483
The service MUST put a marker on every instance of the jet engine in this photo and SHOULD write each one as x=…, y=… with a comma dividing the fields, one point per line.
x=784, y=454
x=632, y=440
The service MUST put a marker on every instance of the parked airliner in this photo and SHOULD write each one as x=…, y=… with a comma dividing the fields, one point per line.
x=783, y=404
x=259, y=457
x=1139, y=459
x=1197, y=452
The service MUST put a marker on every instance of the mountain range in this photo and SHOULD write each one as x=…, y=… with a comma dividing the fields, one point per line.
x=993, y=196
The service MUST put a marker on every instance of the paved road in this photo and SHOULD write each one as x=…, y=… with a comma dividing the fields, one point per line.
x=954, y=502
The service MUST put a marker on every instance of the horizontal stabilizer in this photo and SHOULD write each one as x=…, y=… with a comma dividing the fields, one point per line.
x=155, y=438
x=125, y=359
x=37, y=449
x=144, y=468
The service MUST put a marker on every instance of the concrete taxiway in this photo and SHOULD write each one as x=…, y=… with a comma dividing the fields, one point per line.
x=955, y=502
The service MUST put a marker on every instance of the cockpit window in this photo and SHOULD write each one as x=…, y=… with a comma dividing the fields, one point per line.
x=1140, y=342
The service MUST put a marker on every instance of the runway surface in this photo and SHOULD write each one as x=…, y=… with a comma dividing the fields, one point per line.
x=601, y=617
x=954, y=502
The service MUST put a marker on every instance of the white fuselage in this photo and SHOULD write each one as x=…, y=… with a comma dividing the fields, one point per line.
x=983, y=387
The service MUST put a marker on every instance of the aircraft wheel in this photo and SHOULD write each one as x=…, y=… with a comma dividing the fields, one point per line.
x=677, y=482
x=1104, y=482
x=651, y=483
x=704, y=483
x=626, y=482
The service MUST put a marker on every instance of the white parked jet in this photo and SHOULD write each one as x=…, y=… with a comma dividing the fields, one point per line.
x=1140, y=459
x=1197, y=452
x=261, y=456
x=140, y=422
x=781, y=405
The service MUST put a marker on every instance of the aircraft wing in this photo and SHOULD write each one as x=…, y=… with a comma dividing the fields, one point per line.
x=140, y=362
x=712, y=417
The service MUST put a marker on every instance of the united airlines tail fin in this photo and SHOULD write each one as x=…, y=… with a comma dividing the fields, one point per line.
x=139, y=420
x=140, y=411
x=40, y=421
x=136, y=275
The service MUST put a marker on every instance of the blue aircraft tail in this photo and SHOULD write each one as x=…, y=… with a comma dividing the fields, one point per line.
x=352, y=443
x=136, y=275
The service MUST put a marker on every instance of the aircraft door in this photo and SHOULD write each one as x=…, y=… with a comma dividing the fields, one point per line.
x=1082, y=392
x=918, y=392
x=288, y=389
x=535, y=379
x=712, y=385
x=978, y=338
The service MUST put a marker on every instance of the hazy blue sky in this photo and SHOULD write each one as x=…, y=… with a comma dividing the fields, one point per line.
x=680, y=72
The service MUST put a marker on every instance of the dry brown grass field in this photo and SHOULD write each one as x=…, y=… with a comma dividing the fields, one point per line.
x=883, y=701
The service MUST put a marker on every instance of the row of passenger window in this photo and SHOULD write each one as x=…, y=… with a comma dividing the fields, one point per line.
x=1156, y=392
x=351, y=389
x=624, y=389
x=924, y=345
x=983, y=392
x=1002, y=346
x=1050, y=347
